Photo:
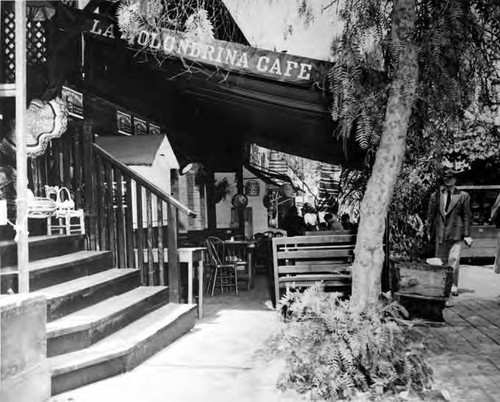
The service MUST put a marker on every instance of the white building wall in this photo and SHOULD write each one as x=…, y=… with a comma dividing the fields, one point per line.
x=158, y=174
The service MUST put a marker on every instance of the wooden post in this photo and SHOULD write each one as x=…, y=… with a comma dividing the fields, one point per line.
x=241, y=211
x=1, y=52
x=21, y=158
x=161, y=256
x=173, y=256
x=149, y=239
x=129, y=224
x=211, y=209
x=140, y=234
x=90, y=182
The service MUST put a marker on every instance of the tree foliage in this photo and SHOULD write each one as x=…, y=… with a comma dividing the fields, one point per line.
x=452, y=122
x=202, y=19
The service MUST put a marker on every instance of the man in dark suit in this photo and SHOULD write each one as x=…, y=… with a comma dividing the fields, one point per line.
x=448, y=223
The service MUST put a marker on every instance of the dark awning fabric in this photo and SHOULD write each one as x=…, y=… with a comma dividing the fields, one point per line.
x=210, y=116
x=270, y=177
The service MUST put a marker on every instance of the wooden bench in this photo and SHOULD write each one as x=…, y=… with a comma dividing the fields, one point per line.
x=302, y=261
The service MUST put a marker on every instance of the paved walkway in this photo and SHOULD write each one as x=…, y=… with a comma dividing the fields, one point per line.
x=467, y=363
x=221, y=359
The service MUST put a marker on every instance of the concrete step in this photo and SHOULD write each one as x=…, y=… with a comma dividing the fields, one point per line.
x=85, y=327
x=68, y=297
x=54, y=270
x=41, y=247
x=123, y=350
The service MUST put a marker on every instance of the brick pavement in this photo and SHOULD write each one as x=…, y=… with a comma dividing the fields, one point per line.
x=466, y=359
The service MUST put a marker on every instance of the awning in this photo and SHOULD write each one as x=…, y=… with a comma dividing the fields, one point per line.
x=211, y=113
x=270, y=177
x=329, y=188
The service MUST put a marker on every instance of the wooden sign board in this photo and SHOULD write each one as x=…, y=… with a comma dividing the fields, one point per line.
x=124, y=122
x=154, y=129
x=221, y=54
x=74, y=102
x=140, y=127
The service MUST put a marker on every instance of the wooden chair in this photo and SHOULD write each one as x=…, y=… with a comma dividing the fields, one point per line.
x=223, y=275
x=66, y=219
x=237, y=253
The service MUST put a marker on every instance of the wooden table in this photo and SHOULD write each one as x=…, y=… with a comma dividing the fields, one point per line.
x=189, y=255
x=234, y=247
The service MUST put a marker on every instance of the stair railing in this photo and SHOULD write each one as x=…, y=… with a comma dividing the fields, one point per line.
x=125, y=213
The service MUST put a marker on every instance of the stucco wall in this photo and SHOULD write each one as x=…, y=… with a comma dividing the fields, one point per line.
x=24, y=372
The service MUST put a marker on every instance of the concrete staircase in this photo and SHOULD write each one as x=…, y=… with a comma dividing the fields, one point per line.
x=100, y=321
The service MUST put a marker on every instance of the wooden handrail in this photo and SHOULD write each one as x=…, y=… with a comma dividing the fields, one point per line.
x=124, y=211
x=143, y=182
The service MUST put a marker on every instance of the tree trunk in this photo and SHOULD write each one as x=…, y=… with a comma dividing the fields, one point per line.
x=367, y=268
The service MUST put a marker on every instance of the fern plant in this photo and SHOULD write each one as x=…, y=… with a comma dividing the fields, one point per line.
x=333, y=353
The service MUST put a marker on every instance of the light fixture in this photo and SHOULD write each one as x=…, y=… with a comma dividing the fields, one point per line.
x=185, y=164
x=185, y=167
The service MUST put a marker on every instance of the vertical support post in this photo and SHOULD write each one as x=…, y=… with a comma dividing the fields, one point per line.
x=211, y=209
x=120, y=220
x=110, y=212
x=129, y=224
x=90, y=183
x=173, y=256
x=241, y=211
x=1, y=52
x=161, y=256
x=149, y=239
x=140, y=235
x=21, y=158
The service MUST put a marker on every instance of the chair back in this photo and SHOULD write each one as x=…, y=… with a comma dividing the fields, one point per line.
x=215, y=250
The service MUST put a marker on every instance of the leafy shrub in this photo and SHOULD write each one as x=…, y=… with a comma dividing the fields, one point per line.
x=332, y=353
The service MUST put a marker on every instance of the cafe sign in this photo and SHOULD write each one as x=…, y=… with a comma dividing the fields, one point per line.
x=221, y=54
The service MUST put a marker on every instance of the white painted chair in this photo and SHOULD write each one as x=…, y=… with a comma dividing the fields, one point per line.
x=66, y=219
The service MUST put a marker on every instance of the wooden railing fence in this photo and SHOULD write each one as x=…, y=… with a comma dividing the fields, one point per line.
x=125, y=213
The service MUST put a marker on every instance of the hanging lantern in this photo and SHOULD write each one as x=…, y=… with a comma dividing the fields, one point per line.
x=252, y=188
x=239, y=201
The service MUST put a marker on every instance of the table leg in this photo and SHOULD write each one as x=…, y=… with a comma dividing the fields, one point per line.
x=190, y=281
x=250, y=270
x=200, y=287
